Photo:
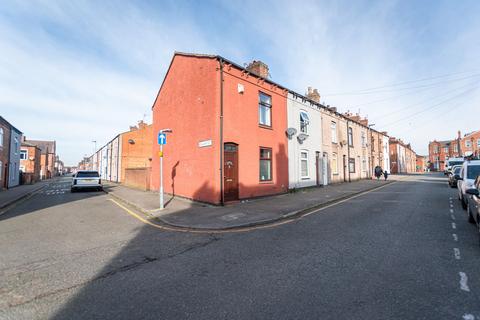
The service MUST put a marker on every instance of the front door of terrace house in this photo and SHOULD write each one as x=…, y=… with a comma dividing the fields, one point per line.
x=230, y=172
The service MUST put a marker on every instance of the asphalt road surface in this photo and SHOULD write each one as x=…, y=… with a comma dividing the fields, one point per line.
x=400, y=252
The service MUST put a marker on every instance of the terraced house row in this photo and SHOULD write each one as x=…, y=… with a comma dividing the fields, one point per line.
x=236, y=134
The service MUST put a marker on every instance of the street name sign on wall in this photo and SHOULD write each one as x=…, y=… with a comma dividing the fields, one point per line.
x=162, y=138
x=205, y=143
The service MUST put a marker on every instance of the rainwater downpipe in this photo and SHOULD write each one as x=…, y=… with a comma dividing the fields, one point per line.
x=348, y=151
x=222, y=200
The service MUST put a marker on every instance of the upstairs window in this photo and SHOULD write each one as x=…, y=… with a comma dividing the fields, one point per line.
x=364, y=139
x=468, y=143
x=478, y=143
x=350, y=136
x=304, y=122
x=264, y=110
x=333, y=129
x=1, y=137
x=23, y=155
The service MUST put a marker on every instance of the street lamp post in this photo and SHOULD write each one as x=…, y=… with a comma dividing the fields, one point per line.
x=162, y=139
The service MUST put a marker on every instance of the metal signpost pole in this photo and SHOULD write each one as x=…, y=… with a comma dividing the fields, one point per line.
x=162, y=139
x=162, y=206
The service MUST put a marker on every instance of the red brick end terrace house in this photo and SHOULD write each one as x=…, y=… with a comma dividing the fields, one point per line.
x=228, y=141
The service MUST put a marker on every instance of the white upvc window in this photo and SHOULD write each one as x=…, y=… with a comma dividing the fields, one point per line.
x=333, y=129
x=364, y=139
x=304, y=122
x=467, y=143
x=334, y=164
x=1, y=137
x=264, y=109
x=23, y=154
x=478, y=143
x=304, y=164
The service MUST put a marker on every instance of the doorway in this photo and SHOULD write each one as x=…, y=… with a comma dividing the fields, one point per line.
x=230, y=172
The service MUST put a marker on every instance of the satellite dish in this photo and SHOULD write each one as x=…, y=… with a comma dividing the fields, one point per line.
x=301, y=137
x=290, y=132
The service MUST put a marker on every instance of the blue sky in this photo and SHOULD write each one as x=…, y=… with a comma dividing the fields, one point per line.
x=87, y=70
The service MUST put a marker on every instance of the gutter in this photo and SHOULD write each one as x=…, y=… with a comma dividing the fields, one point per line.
x=222, y=199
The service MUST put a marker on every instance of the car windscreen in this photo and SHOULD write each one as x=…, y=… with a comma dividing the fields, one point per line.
x=473, y=172
x=454, y=163
x=457, y=170
x=87, y=174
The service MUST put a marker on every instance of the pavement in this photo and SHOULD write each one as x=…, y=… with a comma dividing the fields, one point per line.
x=12, y=195
x=187, y=214
x=402, y=252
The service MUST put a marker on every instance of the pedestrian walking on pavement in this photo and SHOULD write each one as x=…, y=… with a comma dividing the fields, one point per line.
x=378, y=172
x=385, y=175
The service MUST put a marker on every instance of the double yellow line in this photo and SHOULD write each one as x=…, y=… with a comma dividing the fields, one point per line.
x=241, y=229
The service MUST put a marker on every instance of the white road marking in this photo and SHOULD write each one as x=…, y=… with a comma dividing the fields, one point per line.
x=450, y=198
x=455, y=237
x=451, y=210
x=463, y=282
x=468, y=316
x=456, y=252
x=452, y=216
x=451, y=205
x=454, y=226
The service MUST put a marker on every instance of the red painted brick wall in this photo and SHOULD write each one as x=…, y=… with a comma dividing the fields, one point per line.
x=188, y=103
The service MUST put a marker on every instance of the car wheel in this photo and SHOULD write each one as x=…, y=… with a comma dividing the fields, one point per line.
x=469, y=214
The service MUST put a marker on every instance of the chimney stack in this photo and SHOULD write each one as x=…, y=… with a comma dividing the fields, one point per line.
x=259, y=68
x=313, y=95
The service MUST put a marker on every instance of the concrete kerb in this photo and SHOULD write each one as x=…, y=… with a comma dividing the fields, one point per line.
x=11, y=203
x=287, y=216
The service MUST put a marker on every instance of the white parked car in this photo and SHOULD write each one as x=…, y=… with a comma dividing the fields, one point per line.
x=85, y=179
x=466, y=180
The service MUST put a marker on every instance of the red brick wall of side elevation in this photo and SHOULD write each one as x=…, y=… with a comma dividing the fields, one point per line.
x=188, y=103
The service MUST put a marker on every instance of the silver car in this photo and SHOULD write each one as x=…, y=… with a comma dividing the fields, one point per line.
x=86, y=179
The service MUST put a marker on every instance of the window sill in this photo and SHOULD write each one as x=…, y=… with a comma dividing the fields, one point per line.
x=305, y=178
x=266, y=182
x=336, y=174
x=265, y=127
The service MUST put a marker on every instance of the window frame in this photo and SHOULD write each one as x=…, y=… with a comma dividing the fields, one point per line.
x=261, y=106
x=363, y=137
x=304, y=123
x=350, y=136
x=2, y=135
x=351, y=161
x=468, y=144
x=334, y=160
x=260, y=164
x=333, y=131
x=25, y=152
x=302, y=152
